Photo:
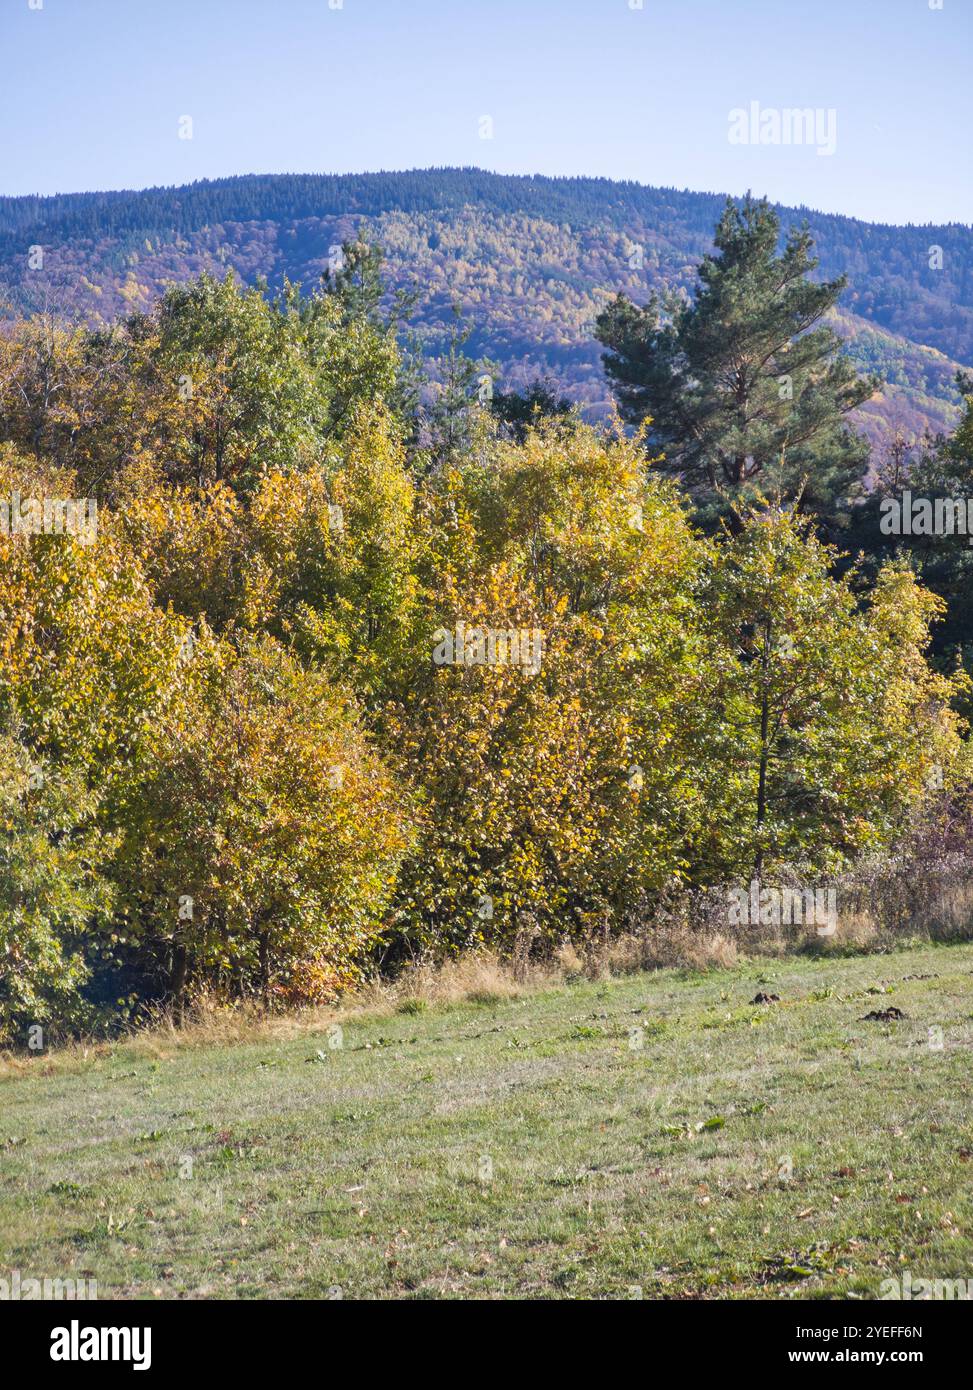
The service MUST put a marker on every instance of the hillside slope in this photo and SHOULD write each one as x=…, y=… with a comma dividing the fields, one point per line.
x=530, y=260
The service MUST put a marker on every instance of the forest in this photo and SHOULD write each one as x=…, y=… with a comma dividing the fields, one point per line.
x=312, y=665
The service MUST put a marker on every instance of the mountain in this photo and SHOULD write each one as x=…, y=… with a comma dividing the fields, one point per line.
x=529, y=259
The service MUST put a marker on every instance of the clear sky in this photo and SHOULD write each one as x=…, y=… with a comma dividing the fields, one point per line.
x=92, y=92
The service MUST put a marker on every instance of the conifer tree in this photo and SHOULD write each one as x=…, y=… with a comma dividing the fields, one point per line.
x=745, y=386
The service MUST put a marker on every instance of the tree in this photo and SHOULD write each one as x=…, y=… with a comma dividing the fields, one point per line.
x=830, y=719
x=927, y=478
x=250, y=396
x=555, y=754
x=200, y=767
x=450, y=424
x=45, y=394
x=52, y=887
x=353, y=330
x=262, y=835
x=517, y=411
x=216, y=384
x=326, y=561
x=356, y=282
x=741, y=388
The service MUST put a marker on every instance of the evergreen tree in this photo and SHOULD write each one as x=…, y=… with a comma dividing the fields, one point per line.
x=742, y=389
x=517, y=411
x=356, y=283
x=466, y=385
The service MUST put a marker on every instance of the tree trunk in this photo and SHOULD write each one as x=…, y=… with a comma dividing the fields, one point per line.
x=764, y=751
x=264, y=966
x=180, y=968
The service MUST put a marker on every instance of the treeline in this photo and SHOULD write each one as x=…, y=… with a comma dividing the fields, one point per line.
x=348, y=673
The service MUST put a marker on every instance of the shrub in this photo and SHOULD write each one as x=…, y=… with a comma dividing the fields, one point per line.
x=51, y=891
x=261, y=839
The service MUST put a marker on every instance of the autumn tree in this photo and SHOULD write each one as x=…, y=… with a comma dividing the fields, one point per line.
x=262, y=833
x=829, y=722
x=554, y=789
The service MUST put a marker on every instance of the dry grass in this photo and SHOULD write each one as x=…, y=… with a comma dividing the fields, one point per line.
x=209, y=1021
x=878, y=911
x=481, y=978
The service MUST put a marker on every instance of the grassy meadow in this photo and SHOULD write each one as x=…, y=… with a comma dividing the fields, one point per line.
x=656, y=1135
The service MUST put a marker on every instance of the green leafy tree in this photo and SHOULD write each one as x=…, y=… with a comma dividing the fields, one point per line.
x=829, y=722
x=354, y=328
x=52, y=891
x=238, y=365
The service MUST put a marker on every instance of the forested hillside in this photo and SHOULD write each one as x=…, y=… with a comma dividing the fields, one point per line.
x=530, y=261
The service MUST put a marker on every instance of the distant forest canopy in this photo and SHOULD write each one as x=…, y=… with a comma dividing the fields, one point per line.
x=530, y=261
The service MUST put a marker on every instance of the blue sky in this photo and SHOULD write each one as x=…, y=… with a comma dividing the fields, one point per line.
x=93, y=92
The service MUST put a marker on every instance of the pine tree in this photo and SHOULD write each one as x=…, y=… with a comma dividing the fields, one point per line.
x=517, y=411
x=744, y=386
x=466, y=385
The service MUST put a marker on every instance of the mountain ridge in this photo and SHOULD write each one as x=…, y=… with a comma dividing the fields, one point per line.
x=7, y=201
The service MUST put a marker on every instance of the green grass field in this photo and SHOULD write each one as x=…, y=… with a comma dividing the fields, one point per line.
x=654, y=1136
